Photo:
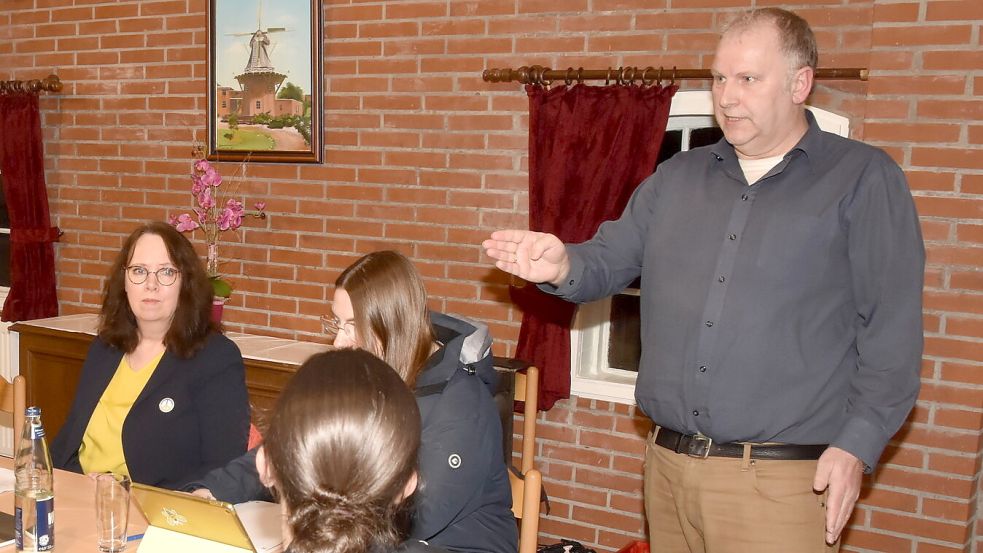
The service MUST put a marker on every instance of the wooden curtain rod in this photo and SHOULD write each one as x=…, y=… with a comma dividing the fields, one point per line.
x=538, y=74
x=51, y=83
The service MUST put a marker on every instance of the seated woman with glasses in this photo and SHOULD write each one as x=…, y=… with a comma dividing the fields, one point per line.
x=340, y=452
x=162, y=395
x=464, y=499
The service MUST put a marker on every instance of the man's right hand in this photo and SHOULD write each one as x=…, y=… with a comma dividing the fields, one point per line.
x=534, y=256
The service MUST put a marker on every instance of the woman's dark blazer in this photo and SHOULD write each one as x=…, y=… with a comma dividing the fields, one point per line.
x=191, y=417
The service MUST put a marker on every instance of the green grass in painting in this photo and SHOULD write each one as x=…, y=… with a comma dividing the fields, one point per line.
x=243, y=139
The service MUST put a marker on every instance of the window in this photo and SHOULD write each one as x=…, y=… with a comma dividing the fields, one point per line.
x=258, y=104
x=605, y=343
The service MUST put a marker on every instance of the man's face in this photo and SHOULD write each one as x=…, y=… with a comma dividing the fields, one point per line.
x=758, y=103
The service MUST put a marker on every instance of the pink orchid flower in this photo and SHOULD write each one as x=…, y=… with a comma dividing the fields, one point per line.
x=211, y=178
x=205, y=199
x=202, y=166
x=260, y=206
x=184, y=222
x=231, y=216
x=197, y=185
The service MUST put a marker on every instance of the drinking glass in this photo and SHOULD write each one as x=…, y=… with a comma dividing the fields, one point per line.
x=112, y=509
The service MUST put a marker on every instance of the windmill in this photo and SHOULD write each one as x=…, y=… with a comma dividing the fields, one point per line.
x=259, y=80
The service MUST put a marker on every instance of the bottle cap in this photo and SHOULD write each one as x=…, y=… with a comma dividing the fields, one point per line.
x=33, y=411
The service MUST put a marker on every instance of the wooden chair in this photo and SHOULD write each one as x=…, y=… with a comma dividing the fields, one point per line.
x=527, y=481
x=13, y=402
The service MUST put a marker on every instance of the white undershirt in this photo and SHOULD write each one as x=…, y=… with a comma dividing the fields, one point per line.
x=754, y=169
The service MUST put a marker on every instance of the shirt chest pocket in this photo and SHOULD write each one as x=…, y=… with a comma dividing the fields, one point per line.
x=796, y=245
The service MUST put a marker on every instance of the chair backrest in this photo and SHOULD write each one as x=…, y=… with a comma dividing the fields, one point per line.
x=522, y=380
x=13, y=401
x=518, y=381
x=525, y=501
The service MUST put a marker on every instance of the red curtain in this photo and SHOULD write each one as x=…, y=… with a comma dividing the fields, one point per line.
x=589, y=148
x=32, y=258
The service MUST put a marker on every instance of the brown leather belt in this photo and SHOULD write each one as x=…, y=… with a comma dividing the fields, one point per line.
x=698, y=445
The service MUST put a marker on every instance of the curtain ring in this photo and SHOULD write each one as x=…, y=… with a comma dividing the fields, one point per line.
x=542, y=76
x=659, y=79
x=647, y=81
x=569, y=79
x=621, y=75
x=672, y=80
x=580, y=75
x=607, y=77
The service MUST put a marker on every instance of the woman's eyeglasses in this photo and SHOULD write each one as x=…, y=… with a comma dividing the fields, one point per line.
x=333, y=327
x=137, y=274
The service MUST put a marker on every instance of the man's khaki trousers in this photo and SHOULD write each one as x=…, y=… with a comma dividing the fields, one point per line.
x=727, y=505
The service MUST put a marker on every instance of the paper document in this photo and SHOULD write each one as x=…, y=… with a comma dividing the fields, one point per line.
x=162, y=540
x=263, y=523
x=6, y=480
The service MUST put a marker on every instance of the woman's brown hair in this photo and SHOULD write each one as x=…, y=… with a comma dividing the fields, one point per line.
x=390, y=304
x=341, y=446
x=192, y=318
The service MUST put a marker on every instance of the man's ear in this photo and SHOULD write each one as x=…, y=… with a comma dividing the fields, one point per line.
x=263, y=468
x=801, y=84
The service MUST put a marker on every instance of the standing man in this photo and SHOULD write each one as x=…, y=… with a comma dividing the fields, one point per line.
x=781, y=273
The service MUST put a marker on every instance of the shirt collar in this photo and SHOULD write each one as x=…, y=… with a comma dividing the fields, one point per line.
x=810, y=143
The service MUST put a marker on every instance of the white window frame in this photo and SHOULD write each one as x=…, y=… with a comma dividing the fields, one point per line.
x=590, y=375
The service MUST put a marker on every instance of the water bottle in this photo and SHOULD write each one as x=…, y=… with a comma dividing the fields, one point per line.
x=34, y=492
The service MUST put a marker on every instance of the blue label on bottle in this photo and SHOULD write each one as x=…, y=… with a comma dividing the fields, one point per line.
x=46, y=524
x=19, y=528
x=37, y=431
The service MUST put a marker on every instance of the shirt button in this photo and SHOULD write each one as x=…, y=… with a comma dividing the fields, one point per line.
x=744, y=197
x=732, y=236
x=721, y=279
x=696, y=413
x=571, y=283
x=708, y=323
x=703, y=368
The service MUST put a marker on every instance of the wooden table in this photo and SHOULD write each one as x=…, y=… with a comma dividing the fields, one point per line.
x=51, y=352
x=75, y=513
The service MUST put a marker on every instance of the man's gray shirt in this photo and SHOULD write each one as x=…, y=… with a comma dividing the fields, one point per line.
x=787, y=311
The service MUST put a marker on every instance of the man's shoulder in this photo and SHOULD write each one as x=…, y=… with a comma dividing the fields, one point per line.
x=838, y=147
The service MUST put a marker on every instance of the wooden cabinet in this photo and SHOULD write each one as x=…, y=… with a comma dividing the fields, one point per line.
x=51, y=361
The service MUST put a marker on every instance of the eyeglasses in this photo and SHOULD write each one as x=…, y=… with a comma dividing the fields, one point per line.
x=333, y=326
x=137, y=274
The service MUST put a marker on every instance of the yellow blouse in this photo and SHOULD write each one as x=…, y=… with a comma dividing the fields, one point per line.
x=102, y=444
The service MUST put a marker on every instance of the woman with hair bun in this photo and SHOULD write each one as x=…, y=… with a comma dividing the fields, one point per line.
x=464, y=499
x=340, y=452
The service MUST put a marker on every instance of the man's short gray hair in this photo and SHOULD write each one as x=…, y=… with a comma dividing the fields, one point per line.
x=798, y=41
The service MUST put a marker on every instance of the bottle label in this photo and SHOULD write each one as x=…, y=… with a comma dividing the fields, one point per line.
x=43, y=533
x=18, y=528
x=46, y=524
x=37, y=431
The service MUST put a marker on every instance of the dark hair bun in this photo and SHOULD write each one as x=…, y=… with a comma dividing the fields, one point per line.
x=331, y=522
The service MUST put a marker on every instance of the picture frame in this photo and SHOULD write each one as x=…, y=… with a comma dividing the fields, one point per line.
x=265, y=92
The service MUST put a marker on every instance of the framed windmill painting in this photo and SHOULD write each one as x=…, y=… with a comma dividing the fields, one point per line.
x=264, y=80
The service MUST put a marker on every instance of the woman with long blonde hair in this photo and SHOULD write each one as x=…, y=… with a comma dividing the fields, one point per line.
x=464, y=499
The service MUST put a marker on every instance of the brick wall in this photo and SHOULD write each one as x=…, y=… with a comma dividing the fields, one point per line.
x=424, y=157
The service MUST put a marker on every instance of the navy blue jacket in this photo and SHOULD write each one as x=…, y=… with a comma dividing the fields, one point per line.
x=464, y=500
x=206, y=428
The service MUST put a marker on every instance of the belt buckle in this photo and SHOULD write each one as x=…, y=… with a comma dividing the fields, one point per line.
x=699, y=446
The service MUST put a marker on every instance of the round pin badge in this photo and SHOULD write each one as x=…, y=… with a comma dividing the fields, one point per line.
x=454, y=461
x=166, y=405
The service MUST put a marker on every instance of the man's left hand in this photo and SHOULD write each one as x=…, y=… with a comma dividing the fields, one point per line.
x=839, y=472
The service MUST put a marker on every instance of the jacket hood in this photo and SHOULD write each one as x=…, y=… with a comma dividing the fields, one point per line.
x=466, y=345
